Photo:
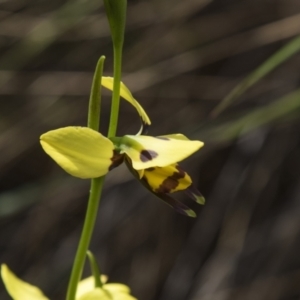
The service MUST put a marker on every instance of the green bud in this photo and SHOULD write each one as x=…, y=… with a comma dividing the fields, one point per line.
x=116, y=14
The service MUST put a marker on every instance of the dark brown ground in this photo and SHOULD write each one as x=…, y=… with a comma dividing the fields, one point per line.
x=181, y=59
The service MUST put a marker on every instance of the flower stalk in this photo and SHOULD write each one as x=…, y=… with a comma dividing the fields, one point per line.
x=115, y=104
x=116, y=13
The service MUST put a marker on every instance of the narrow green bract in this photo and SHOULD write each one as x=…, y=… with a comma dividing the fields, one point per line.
x=116, y=14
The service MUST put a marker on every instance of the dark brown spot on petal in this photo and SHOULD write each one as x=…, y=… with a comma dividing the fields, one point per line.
x=150, y=169
x=147, y=155
x=116, y=159
x=171, y=182
x=162, y=138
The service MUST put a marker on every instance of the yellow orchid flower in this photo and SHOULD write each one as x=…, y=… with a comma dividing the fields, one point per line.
x=85, y=153
x=69, y=150
x=153, y=160
x=21, y=290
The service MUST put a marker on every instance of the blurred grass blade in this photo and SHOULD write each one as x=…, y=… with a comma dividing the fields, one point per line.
x=274, y=61
x=257, y=118
x=44, y=34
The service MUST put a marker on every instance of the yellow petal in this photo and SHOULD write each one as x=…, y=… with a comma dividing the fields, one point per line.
x=167, y=179
x=88, y=284
x=96, y=294
x=80, y=151
x=177, y=205
x=111, y=291
x=118, y=291
x=146, y=151
x=107, y=82
x=19, y=289
x=141, y=173
x=176, y=136
x=117, y=287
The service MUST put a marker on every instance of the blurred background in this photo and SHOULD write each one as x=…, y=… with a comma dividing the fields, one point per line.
x=181, y=59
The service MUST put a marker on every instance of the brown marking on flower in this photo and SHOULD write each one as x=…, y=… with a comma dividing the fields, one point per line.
x=116, y=159
x=171, y=182
x=150, y=169
x=145, y=127
x=147, y=155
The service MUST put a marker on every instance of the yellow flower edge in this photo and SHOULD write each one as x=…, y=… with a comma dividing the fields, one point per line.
x=125, y=93
x=80, y=151
x=87, y=285
x=161, y=151
x=21, y=290
x=96, y=294
x=102, y=294
x=86, y=290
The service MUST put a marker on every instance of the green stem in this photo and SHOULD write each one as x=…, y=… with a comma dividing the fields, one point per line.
x=116, y=11
x=114, y=113
x=89, y=222
x=95, y=191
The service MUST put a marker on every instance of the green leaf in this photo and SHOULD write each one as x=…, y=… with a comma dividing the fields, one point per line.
x=280, y=108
